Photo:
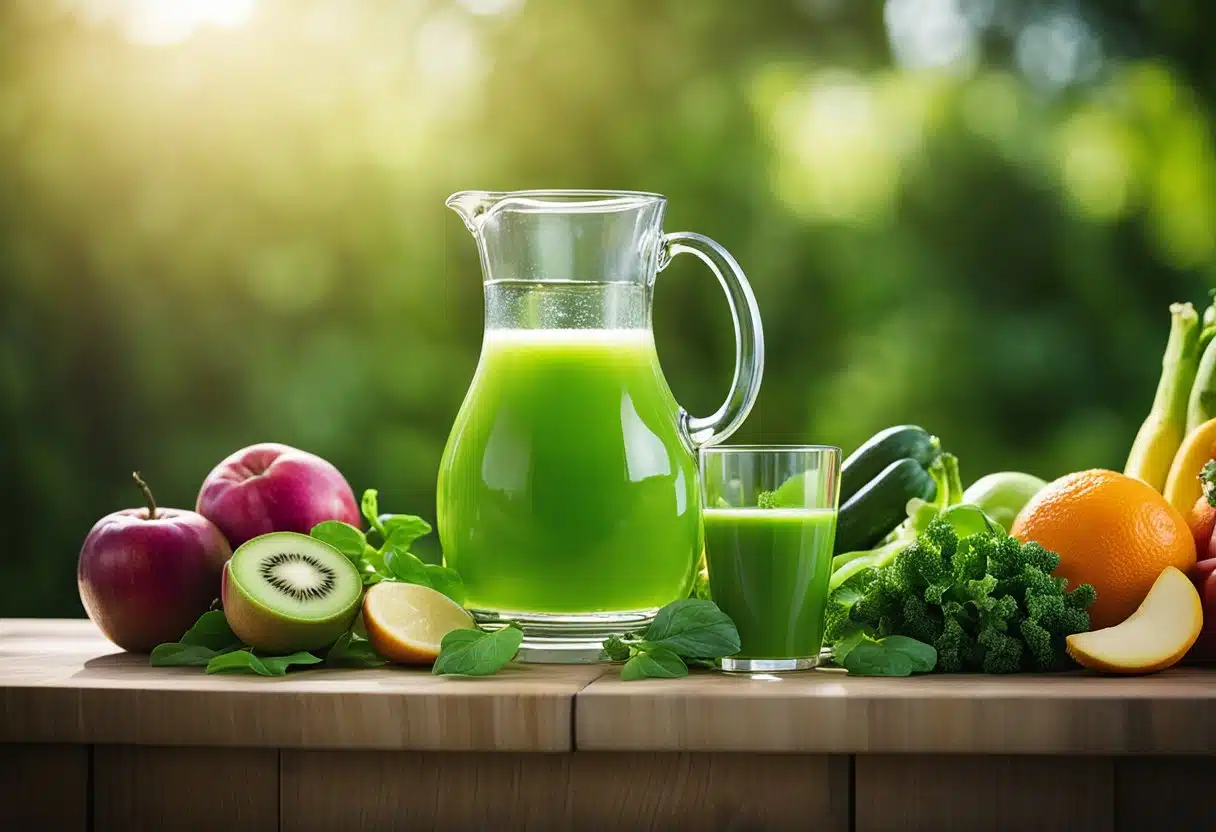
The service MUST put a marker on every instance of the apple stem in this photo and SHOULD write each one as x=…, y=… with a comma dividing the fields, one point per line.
x=143, y=486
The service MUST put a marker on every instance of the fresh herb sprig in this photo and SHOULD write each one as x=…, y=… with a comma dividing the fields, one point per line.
x=211, y=644
x=692, y=631
x=391, y=560
x=474, y=652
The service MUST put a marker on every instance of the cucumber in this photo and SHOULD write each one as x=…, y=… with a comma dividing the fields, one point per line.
x=880, y=450
x=881, y=505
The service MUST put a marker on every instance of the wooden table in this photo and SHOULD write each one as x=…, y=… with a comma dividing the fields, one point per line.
x=94, y=738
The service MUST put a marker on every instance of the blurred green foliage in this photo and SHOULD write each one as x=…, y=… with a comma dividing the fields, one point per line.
x=221, y=222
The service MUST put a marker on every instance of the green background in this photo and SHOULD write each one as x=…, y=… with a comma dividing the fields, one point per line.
x=222, y=222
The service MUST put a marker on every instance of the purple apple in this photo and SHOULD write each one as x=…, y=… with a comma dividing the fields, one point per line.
x=274, y=488
x=146, y=574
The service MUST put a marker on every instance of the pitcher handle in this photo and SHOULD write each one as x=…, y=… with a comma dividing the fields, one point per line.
x=749, y=339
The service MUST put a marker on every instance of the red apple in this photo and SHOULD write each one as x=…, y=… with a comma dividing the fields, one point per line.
x=1204, y=576
x=274, y=488
x=146, y=574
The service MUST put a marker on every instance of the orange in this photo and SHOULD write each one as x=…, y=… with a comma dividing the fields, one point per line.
x=406, y=622
x=1111, y=531
x=1155, y=637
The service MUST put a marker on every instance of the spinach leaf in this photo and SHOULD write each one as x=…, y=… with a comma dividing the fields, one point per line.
x=694, y=628
x=401, y=530
x=890, y=656
x=244, y=661
x=176, y=654
x=405, y=567
x=472, y=652
x=351, y=650
x=212, y=631
x=654, y=662
x=446, y=580
x=342, y=536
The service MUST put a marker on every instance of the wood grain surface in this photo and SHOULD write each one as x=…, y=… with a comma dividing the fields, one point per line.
x=232, y=789
x=325, y=790
x=61, y=681
x=917, y=793
x=827, y=711
x=44, y=787
x=1171, y=793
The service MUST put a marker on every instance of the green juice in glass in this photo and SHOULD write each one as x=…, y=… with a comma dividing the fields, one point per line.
x=565, y=486
x=769, y=571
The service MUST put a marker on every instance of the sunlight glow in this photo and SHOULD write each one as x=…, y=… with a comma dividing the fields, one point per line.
x=166, y=22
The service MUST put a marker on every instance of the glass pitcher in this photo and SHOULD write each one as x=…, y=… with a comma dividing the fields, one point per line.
x=568, y=496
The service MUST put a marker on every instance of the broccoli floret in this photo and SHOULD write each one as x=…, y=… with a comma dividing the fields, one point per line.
x=1081, y=598
x=1002, y=652
x=985, y=601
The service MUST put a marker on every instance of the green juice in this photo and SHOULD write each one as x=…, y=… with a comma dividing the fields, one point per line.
x=565, y=486
x=769, y=571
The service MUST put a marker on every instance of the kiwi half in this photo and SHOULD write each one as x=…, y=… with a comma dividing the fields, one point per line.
x=284, y=592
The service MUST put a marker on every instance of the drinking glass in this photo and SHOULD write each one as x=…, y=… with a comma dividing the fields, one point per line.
x=770, y=524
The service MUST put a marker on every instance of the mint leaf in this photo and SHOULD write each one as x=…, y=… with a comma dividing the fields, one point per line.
x=176, y=654
x=890, y=656
x=371, y=510
x=471, y=652
x=446, y=580
x=243, y=661
x=403, y=529
x=211, y=631
x=342, y=536
x=694, y=628
x=654, y=662
x=406, y=567
x=352, y=651
x=616, y=649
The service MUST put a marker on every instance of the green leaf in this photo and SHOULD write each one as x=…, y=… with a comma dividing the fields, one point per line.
x=176, y=654
x=654, y=662
x=616, y=649
x=403, y=566
x=212, y=631
x=446, y=580
x=842, y=648
x=694, y=628
x=352, y=651
x=472, y=652
x=403, y=529
x=890, y=656
x=373, y=561
x=244, y=661
x=371, y=510
x=342, y=536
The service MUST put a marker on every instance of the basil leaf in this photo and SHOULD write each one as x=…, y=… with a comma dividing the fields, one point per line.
x=654, y=662
x=371, y=510
x=372, y=578
x=842, y=648
x=352, y=651
x=616, y=649
x=471, y=652
x=405, y=567
x=694, y=628
x=243, y=661
x=176, y=654
x=923, y=656
x=342, y=536
x=403, y=529
x=211, y=631
x=872, y=659
x=446, y=580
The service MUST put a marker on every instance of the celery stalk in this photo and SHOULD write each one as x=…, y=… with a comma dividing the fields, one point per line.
x=1163, y=430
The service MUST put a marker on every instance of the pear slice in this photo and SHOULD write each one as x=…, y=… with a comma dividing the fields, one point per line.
x=1154, y=637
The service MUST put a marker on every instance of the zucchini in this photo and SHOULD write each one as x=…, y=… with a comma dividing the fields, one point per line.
x=874, y=511
x=882, y=449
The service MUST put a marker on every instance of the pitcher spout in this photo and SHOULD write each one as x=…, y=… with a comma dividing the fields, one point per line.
x=472, y=206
